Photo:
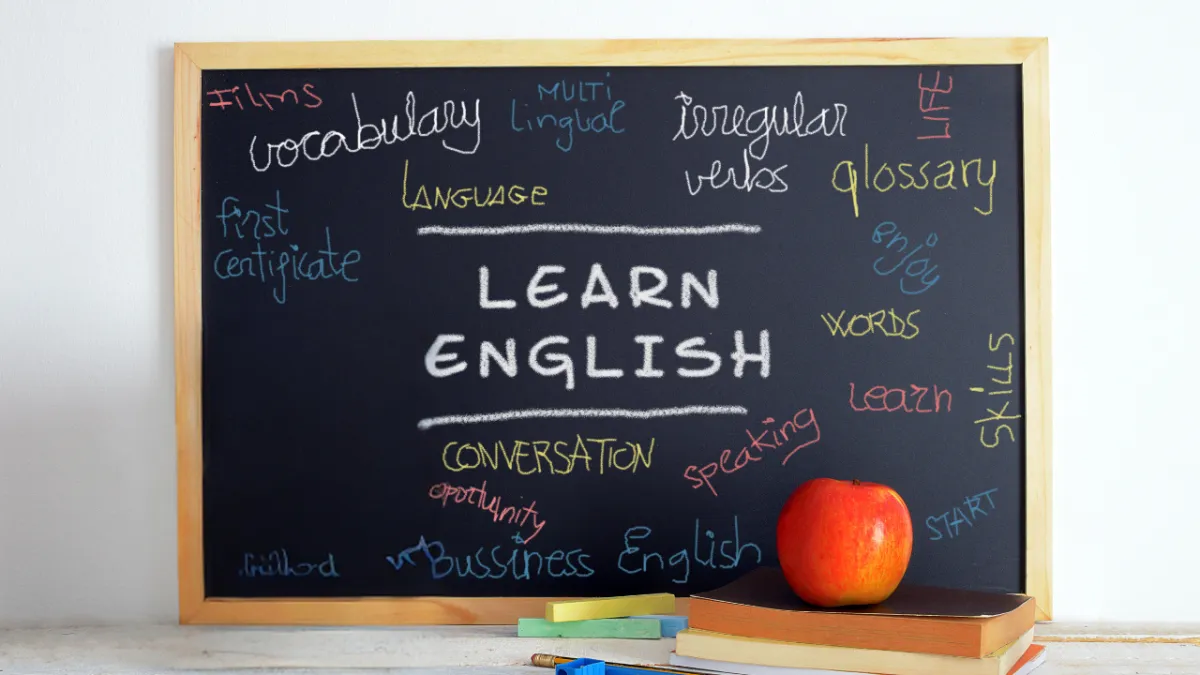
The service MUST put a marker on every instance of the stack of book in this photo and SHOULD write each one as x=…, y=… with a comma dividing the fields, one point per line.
x=757, y=626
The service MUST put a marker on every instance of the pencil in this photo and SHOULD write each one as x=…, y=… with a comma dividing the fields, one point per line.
x=551, y=660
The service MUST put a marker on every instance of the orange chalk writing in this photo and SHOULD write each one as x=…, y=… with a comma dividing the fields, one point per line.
x=478, y=497
x=930, y=110
x=914, y=398
x=244, y=97
x=792, y=435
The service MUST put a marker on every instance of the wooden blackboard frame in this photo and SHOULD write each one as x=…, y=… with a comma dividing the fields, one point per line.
x=191, y=59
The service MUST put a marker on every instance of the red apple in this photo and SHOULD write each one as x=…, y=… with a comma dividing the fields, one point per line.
x=844, y=542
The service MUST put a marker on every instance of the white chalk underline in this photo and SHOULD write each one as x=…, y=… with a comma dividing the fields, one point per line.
x=585, y=228
x=546, y=413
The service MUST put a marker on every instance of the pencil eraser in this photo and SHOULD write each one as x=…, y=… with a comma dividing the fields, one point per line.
x=610, y=608
x=669, y=624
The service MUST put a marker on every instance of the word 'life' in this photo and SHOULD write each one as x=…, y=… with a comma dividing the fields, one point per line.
x=758, y=124
x=793, y=435
x=845, y=178
x=927, y=106
x=999, y=420
x=923, y=282
x=478, y=497
x=610, y=454
x=567, y=108
x=951, y=520
x=439, y=120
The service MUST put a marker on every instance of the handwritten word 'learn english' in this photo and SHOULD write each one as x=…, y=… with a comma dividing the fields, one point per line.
x=435, y=121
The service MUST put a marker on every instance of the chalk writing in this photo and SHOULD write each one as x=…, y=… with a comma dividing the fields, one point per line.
x=450, y=197
x=494, y=563
x=545, y=361
x=866, y=324
x=846, y=178
x=793, y=435
x=478, y=497
x=556, y=458
x=261, y=99
x=1001, y=384
x=435, y=121
x=927, y=105
x=884, y=399
x=633, y=560
x=564, y=119
x=646, y=284
x=275, y=267
x=758, y=124
x=952, y=519
x=279, y=564
x=883, y=269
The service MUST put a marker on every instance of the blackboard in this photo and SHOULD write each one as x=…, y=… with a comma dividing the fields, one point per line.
x=476, y=332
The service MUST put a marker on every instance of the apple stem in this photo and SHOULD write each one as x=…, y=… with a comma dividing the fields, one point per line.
x=856, y=482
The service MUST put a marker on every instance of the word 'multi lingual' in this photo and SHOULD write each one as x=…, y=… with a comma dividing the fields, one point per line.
x=633, y=561
x=955, y=517
x=867, y=323
x=569, y=107
x=999, y=420
x=275, y=267
x=884, y=179
x=794, y=434
x=881, y=232
x=462, y=197
x=478, y=497
x=548, y=362
x=435, y=121
x=757, y=124
x=493, y=563
x=527, y=457
x=884, y=399
x=279, y=564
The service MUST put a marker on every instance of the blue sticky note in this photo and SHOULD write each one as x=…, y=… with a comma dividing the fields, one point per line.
x=669, y=624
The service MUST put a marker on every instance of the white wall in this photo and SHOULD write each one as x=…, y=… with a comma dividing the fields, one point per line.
x=86, y=383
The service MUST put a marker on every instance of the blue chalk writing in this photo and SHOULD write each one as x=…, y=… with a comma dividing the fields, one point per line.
x=279, y=563
x=496, y=563
x=634, y=560
x=565, y=120
x=922, y=283
x=953, y=519
x=275, y=266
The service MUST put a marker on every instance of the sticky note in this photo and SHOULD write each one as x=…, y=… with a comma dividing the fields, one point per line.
x=669, y=624
x=610, y=608
x=644, y=629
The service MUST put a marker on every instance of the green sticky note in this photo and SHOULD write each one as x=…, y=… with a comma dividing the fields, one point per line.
x=644, y=629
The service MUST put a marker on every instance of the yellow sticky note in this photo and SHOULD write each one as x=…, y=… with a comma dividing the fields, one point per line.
x=610, y=608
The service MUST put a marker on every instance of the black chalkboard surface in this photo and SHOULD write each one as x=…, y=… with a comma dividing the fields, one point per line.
x=579, y=331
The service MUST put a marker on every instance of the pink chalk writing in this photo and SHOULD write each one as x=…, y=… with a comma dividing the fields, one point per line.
x=793, y=435
x=243, y=95
x=926, y=103
x=478, y=497
x=885, y=399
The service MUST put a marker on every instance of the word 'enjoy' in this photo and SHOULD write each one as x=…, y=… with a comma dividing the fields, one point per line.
x=607, y=452
x=262, y=99
x=1008, y=390
x=880, y=399
x=757, y=124
x=955, y=517
x=944, y=180
x=279, y=564
x=478, y=497
x=897, y=327
x=754, y=452
x=581, y=118
x=887, y=227
x=517, y=564
x=462, y=197
x=436, y=121
x=276, y=266
x=683, y=557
